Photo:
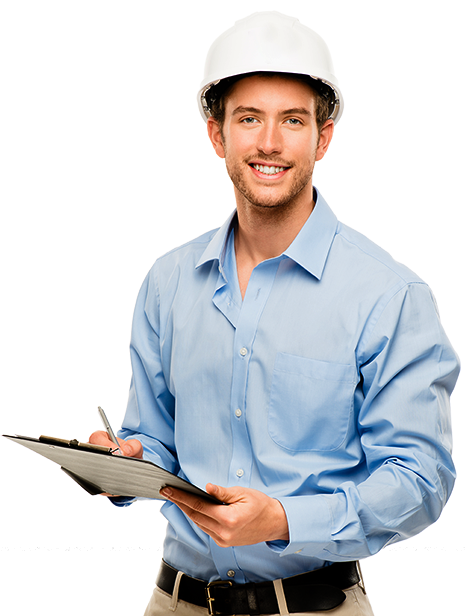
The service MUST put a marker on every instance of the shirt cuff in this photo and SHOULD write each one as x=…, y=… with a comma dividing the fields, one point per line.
x=122, y=501
x=309, y=519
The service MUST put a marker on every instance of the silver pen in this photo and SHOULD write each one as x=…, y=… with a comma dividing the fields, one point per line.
x=108, y=428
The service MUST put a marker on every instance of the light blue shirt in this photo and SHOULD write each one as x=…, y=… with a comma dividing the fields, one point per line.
x=327, y=388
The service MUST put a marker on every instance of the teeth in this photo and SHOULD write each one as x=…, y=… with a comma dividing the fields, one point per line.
x=268, y=170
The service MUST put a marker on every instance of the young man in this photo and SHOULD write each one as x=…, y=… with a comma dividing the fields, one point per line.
x=285, y=359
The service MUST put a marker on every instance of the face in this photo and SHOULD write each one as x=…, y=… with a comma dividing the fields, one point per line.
x=270, y=141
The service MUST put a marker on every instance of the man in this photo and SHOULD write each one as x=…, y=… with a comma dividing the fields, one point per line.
x=286, y=360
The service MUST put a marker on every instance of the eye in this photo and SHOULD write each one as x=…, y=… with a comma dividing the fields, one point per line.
x=249, y=120
x=294, y=121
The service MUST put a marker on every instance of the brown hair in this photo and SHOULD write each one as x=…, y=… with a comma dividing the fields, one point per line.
x=324, y=95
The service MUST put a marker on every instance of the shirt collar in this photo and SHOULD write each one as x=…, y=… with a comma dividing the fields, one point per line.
x=215, y=250
x=309, y=249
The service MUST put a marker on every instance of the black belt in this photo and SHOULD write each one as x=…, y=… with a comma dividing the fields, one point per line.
x=315, y=591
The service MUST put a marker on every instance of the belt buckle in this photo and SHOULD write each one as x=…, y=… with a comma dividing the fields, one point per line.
x=210, y=600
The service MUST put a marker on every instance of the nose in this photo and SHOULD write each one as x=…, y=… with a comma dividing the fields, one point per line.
x=270, y=139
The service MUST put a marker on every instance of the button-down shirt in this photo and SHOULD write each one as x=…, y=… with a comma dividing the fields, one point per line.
x=326, y=388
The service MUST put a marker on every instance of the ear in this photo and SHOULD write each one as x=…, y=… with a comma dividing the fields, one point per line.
x=325, y=137
x=215, y=135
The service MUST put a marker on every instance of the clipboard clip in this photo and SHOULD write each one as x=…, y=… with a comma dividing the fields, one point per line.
x=74, y=443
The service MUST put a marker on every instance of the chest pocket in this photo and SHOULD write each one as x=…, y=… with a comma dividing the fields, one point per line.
x=311, y=403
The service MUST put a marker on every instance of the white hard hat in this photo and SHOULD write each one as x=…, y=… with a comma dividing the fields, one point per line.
x=270, y=42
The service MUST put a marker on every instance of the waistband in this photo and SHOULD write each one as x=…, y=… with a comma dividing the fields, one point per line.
x=314, y=591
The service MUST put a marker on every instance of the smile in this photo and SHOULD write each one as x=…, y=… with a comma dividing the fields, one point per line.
x=268, y=170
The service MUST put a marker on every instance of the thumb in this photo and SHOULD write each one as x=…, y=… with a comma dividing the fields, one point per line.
x=132, y=448
x=226, y=495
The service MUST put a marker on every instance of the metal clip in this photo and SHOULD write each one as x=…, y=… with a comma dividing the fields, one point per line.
x=210, y=600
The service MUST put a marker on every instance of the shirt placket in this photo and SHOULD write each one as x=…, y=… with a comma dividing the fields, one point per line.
x=259, y=288
x=240, y=469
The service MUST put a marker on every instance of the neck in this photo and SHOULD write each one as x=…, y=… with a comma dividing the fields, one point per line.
x=265, y=232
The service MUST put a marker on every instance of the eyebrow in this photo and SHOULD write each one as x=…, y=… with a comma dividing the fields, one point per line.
x=293, y=111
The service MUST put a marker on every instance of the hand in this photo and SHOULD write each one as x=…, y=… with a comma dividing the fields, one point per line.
x=131, y=448
x=251, y=516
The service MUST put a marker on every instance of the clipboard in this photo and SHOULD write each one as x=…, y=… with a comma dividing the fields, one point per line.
x=97, y=470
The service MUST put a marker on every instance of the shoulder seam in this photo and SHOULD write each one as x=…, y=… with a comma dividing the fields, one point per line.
x=415, y=279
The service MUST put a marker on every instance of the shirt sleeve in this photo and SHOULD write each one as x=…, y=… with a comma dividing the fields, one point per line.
x=150, y=411
x=408, y=370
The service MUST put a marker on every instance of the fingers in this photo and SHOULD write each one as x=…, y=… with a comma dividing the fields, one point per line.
x=213, y=519
x=101, y=438
x=131, y=448
x=251, y=517
x=193, y=506
x=200, y=511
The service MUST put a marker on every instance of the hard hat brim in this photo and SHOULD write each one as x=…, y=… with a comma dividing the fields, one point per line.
x=336, y=114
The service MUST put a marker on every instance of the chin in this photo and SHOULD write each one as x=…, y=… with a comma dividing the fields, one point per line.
x=281, y=202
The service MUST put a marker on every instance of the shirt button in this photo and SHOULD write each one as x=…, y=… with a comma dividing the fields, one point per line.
x=238, y=413
x=243, y=351
x=231, y=573
x=240, y=472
